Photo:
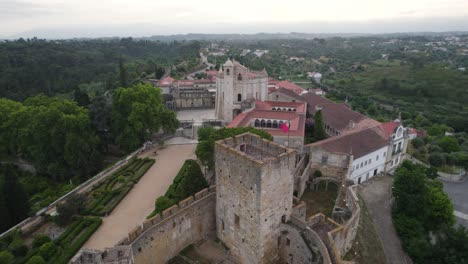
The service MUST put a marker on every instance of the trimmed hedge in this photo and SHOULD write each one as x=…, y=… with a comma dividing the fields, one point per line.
x=108, y=196
x=189, y=180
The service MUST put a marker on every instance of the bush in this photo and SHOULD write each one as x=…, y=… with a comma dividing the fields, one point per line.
x=18, y=248
x=36, y=260
x=449, y=144
x=6, y=257
x=39, y=240
x=317, y=173
x=47, y=250
x=162, y=203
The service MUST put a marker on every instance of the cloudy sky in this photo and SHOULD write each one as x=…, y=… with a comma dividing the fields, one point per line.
x=81, y=18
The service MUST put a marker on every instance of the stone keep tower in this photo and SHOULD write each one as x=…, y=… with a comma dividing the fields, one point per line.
x=235, y=84
x=254, y=183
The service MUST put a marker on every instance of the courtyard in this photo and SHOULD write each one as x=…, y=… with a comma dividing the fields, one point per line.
x=321, y=200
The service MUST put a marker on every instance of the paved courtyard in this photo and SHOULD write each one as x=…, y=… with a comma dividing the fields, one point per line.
x=139, y=202
x=458, y=193
x=377, y=194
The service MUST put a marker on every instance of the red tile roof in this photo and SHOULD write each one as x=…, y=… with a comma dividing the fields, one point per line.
x=389, y=128
x=359, y=143
x=290, y=86
x=338, y=116
x=263, y=111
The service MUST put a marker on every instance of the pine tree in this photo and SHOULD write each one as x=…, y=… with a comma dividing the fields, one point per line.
x=16, y=197
x=319, y=131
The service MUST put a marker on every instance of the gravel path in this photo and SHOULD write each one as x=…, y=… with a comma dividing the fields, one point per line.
x=139, y=202
x=377, y=194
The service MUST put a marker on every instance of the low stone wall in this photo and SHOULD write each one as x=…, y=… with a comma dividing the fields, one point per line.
x=302, y=175
x=452, y=177
x=164, y=236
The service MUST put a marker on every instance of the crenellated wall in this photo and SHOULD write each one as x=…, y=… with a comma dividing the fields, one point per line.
x=164, y=236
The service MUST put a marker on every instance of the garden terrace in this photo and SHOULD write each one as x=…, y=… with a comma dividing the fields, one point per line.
x=107, y=195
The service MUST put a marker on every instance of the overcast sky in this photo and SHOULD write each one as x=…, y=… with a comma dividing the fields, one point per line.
x=81, y=18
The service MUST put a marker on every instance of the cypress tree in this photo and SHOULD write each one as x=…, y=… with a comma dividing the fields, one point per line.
x=319, y=131
x=16, y=197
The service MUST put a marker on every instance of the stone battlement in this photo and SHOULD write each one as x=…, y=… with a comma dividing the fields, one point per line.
x=166, y=214
x=254, y=148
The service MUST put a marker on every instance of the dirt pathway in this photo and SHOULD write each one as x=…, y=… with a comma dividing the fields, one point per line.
x=377, y=194
x=139, y=202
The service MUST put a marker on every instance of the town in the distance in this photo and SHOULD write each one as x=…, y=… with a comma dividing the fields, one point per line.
x=253, y=149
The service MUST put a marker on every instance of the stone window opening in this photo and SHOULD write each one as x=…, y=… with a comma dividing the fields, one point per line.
x=236, y=220
x=222, y=224
x=239, y=97
x=228, y=72
x=279, y=241
x=324, y=160
x=283, y=219
x=239, y=77
x=242, y=147
x=288, y=242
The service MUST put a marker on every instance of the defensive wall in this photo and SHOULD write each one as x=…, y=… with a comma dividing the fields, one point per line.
x=162, y=237
x=331, y=239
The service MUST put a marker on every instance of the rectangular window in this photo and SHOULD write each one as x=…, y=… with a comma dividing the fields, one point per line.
x=399, y=146
x=365, y=163
x=288, y=242
x=362, y=164
x=324, y=160
x=385, y=153
x=377, y=158
x=236, y=220
x=370, y=161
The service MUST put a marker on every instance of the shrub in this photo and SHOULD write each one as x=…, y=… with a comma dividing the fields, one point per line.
x=317, y=173
x=36, y=260
x=449, y=144
x=18, y=248
x=6, y=257
x=39, y=240
x=47, y=250
x=162, y=203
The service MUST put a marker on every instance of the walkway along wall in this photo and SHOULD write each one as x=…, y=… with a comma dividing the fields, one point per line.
x=163, y=237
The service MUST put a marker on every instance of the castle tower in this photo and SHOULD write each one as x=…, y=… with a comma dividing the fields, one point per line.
x=254, y=182
x=235, y=84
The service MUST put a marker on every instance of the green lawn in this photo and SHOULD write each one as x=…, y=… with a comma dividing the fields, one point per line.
x=320, y=201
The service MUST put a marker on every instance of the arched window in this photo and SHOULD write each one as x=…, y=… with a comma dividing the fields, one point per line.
x=275, y=124
x=257, y=123
x=280, y=123
x=262, y=123
x=239, y=97
x=294, y=109
x=289, y=109
x=239, y=77
x=268, y=124
x=228, y=71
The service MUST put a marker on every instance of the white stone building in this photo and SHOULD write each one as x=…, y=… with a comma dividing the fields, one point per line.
x=235, y=84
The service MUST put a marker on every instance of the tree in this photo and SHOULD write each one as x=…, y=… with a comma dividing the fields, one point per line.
x=80, y=97
x=5, y=220
x=16, y=198
x=319, y=131
x=449, y=144
x=137, y=113
x=122, y=73
x=75, y=204
x=437, y=159
x=36, y=260
x=6, y=257
x=417, y=143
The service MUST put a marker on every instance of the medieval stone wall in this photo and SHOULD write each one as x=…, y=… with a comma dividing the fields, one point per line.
x=163, y=237
x=293, y=249
x=331, y=165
